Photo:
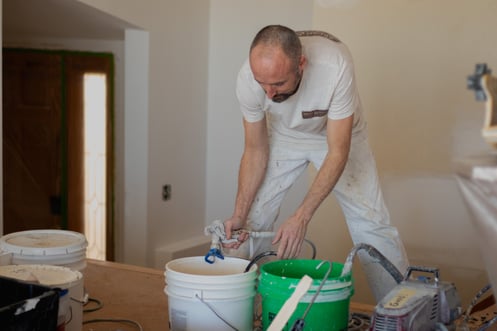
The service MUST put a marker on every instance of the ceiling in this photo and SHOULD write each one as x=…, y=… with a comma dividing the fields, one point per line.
x=59, y=19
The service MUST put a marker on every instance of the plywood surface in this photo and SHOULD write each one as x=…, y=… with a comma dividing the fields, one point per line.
x=128, y=293
x=137, y=294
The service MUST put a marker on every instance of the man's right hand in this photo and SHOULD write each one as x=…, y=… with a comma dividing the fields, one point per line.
x=232, y=224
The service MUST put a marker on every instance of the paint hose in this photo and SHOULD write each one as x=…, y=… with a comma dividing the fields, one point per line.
x=373, y=252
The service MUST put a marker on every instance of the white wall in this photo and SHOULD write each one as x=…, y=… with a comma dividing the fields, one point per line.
x=177, y=111
x=412, y=59
x=132, y=179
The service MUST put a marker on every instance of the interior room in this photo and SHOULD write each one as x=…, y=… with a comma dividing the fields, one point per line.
x=178, y=134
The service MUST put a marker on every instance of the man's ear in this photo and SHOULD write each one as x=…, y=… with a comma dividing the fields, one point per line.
x=302, y=62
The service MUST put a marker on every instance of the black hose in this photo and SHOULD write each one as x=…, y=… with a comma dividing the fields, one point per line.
x=258, y=257
x=313, y=247
x=268, y=253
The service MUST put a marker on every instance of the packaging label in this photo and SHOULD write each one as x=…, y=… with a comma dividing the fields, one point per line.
x=400, y=299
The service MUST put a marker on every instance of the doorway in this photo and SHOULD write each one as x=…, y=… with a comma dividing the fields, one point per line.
x=49, y=181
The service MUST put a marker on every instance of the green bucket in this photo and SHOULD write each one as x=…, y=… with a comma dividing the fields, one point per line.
x=330, y=310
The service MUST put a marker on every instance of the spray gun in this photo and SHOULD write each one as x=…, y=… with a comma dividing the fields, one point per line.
x=216, y=230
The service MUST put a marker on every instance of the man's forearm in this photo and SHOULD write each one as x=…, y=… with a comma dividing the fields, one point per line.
x=339, y=139
x=326, y=178
x=252, y=171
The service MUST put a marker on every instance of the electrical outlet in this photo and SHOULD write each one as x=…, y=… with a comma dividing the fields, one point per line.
x=166, y=192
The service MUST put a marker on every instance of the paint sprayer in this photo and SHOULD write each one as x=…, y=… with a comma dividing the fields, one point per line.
x=216, y=231
x=415, y=303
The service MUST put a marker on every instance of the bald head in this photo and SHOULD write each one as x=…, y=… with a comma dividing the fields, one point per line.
x=278, y=36
x=276, y=61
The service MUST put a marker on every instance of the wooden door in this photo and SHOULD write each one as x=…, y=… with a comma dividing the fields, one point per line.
x=32, y=160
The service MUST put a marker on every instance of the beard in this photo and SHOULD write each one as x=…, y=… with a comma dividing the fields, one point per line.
x=280, y=97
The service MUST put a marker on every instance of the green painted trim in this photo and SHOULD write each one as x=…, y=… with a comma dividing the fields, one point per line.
x=63, y=145
x=111, y=157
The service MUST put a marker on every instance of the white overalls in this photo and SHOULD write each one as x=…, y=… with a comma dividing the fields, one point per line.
x=297, y=130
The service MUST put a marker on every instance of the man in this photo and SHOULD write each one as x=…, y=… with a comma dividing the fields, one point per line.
x=300, y=104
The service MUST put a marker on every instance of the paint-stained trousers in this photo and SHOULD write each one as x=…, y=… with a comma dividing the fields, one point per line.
x=358, y=193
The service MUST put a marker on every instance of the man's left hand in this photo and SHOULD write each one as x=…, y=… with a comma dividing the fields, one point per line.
x=290, y=237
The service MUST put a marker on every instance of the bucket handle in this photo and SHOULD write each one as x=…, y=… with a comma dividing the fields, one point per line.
x=83, y=300
x=215, y=312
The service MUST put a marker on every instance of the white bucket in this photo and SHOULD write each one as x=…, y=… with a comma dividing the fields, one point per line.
x=53, y=247
x=70, y=304
x=210, y=297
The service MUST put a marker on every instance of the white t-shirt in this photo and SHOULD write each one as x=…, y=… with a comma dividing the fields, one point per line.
x=327, y=90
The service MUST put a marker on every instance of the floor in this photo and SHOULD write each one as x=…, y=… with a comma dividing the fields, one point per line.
x=359, y=322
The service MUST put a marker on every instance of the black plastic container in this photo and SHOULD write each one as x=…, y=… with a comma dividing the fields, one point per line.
x=27, y=307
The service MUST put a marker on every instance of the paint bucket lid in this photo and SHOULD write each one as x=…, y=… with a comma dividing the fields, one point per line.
x=47, y=275
x=43, y=242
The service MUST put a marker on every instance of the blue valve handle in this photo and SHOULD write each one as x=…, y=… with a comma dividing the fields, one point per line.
x=210, y=257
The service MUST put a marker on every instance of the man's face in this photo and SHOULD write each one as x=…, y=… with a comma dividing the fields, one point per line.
x=278, y=76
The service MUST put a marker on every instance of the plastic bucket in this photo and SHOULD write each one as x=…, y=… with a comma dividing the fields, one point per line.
x=330, y=310
x=70, y=315
x=210, y=297
x=53, y=247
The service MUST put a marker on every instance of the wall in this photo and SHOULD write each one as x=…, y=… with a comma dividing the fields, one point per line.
x=178, y=45
x=412, y=59
x=131, y=184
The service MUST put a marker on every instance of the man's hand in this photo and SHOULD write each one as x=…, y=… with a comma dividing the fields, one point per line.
x=232, y=224
x=290, y=236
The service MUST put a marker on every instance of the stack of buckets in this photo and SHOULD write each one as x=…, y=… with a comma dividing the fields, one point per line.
x=221, y=296
x=52, y=258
